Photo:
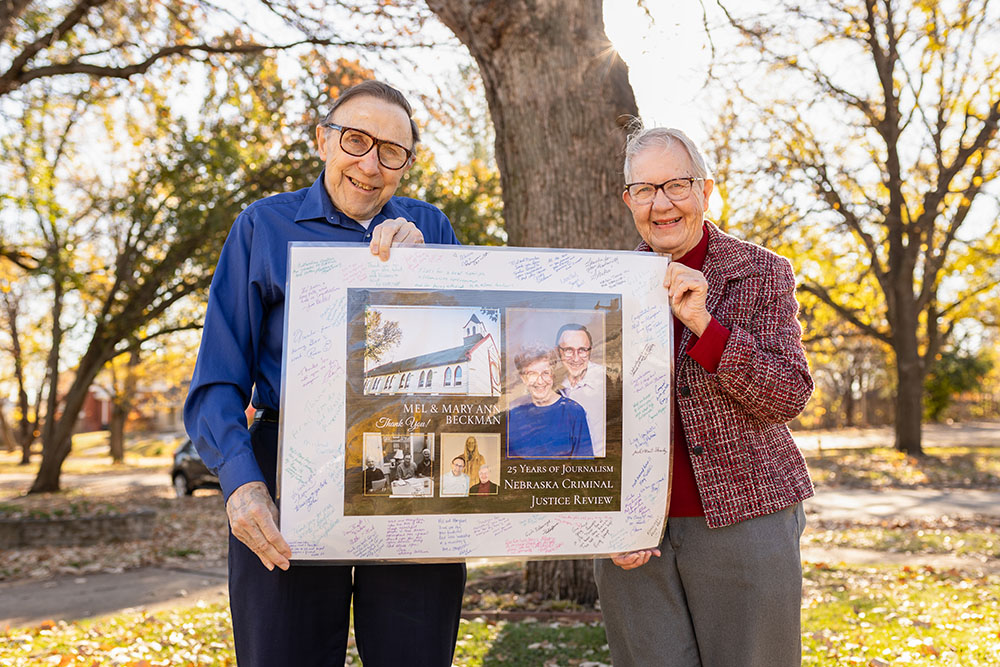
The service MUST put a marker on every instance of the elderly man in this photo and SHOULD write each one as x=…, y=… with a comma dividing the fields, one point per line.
x=290, y=614
x=585, y=380
x=485, y=486
x=373, y=475
x=724, y=587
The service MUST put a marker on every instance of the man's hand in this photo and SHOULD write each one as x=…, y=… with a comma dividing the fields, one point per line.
x=254, y=520
x=633, y=559
x=397, y=231
x=688, y=291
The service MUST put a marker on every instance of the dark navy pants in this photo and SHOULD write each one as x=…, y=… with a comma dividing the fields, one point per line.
x=403, y=614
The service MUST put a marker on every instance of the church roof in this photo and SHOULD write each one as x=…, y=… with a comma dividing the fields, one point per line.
x=430, y=360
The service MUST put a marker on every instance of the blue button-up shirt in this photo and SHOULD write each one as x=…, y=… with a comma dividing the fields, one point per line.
x=241, y=342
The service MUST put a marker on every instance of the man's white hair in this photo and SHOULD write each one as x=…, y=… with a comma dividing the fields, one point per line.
x=642, y=138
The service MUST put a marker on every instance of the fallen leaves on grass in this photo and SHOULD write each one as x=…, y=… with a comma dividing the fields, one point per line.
x=884, y=468
x=911, y=616
x=851, y=616
x=977, y=537
x=199, y=635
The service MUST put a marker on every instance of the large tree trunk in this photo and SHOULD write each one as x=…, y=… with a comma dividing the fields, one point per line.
x=910, y=388
x=559, y=95
x=24, y=436
x=562, y=580
x=849, y=403
x=116, y=432
x=27, y=428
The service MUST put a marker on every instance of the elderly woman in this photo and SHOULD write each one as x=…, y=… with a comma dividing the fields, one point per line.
x=724, y=587
x=550, y=425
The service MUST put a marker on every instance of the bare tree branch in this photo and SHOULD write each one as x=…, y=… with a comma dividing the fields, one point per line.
x=849, y=315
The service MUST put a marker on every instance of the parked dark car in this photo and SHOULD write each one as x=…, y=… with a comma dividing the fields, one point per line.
x=189, y=471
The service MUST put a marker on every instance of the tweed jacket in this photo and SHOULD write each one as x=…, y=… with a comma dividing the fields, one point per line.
x=745, y=462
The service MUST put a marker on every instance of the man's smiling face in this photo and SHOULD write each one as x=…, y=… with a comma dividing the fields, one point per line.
x=360, y=186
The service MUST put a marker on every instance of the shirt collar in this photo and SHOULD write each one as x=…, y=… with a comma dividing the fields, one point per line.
x=588, y=379
x=318, y=206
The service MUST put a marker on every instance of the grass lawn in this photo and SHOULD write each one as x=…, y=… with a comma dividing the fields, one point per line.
x=872, y=616
x=959, y=537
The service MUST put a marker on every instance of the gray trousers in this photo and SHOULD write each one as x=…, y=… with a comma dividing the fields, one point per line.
x=714, y=598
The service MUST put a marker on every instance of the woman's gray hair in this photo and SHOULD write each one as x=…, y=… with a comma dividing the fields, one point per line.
x=529, y=354
x=640, y=138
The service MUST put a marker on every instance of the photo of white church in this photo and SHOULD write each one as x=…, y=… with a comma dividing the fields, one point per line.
x=432, y=353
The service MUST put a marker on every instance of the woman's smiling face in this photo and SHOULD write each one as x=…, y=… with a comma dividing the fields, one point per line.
x=668, y=226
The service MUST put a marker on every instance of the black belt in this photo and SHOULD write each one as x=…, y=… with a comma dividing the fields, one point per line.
x=269, y=415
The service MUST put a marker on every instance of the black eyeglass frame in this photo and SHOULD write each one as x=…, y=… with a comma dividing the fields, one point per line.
x=663, y=186
x=376, y=144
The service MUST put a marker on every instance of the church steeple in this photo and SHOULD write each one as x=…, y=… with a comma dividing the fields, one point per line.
x=475, y=330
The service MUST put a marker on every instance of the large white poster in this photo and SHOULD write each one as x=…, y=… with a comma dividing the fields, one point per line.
x=459, y=402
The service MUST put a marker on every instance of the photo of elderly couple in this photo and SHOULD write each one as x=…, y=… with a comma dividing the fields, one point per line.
x=558, y=387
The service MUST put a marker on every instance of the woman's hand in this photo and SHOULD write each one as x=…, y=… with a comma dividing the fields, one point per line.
x=688, y=291
x=630, y=560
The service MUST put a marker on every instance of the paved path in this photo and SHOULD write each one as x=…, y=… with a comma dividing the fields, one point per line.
x=902, y=503
x=16, y=483
x=77, y=597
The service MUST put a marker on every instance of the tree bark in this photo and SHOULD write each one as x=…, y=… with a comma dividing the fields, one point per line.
x=6, y=433
x=24, y=436
x=57, y=440
x=559, y=95
x=849, y=403
x=562, y=580
x=116, y=432
x=123, y=403
x=910, y=374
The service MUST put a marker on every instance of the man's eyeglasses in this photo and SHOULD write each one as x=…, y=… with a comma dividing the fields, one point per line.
x=574, y=351
x=358, y=142
x=676, y=189
x=531, y=376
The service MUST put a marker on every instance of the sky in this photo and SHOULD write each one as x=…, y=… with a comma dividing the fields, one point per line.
x=667, y=59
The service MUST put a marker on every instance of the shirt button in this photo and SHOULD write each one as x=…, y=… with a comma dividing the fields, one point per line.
x=684, y=391
x=697, y=450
